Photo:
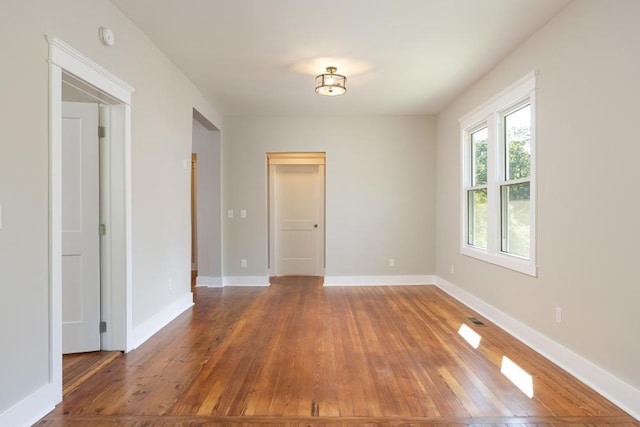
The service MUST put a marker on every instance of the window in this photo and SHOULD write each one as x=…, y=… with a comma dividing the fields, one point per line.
x=477, y=193
x=498, y=179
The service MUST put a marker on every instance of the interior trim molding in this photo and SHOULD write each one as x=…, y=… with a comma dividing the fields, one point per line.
x=66, y=57
x=209, y=282
x=30, y=409
x=379, y=280
x=613, y=388
x=149, y=327
x=296, y=158
x=246, y=281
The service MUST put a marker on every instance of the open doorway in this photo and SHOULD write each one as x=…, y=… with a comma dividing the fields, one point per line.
x=84, y=159
x=206, y=204
x=194, y=221
x=75, y=78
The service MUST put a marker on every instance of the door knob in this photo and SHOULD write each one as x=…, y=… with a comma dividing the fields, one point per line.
x=315, y=225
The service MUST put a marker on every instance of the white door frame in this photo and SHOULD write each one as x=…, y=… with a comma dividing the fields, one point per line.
x=274, y=159
x=117, y=259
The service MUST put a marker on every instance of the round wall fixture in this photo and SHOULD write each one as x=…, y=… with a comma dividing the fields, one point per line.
x=107, y=37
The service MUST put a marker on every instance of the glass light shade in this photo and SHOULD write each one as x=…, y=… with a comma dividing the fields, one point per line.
x=331, y=84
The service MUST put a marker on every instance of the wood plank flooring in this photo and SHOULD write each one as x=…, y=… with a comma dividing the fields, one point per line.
x=78, y=368
x=297, y=353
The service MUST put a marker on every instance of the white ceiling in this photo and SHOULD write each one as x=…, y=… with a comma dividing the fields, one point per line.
x=399, y=56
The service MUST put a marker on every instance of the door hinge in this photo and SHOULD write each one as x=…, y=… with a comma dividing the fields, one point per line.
x=103, y=327
x=102, y=132
x=102, y=229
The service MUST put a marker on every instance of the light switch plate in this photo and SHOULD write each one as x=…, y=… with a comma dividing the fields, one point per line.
x=243, y=213
x=230, y=213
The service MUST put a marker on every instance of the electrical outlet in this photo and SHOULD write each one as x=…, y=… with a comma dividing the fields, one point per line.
x=451, y=268
x=558, y=315
x=243, y=213
x=392, y=262
x=243, y=263
x=230, y=213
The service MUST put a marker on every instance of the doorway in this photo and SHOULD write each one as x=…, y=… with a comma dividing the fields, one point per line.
x=73, y=75
x=194, y=220
x=206, y=203
x=84, y=144
x=296, y=213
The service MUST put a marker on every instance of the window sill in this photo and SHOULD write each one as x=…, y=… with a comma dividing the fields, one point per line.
x=502, y=260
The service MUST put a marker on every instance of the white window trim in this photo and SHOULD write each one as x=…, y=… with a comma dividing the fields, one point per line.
x=491, y=113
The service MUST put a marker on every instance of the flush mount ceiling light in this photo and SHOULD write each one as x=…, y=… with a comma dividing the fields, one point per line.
x=331, y=84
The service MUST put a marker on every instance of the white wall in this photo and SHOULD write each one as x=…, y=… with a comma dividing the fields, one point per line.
x=161, y=139
x=588, y=151
x=206, y=143
x=380, y=183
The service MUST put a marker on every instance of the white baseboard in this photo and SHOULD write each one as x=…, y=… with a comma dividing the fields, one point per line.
x=209, y=282
x=246, y=281
x=150, y=326
x=613, y=388
x=29, y=410
x=378, y=280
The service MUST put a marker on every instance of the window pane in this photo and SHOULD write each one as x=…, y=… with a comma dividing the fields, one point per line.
x=517, y=128
x=516, y=219
x=478, y=218
x=479, y=157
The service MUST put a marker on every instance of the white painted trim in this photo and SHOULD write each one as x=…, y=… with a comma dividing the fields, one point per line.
x=613, y=388
x=501, y=259
x=69, y=59
x=128, y=227
x=158, y=321
x=502, y=100
x=490, y=114
x=29, y=410
x=246, y=281
x=209, y=282
x=106, y=291
x=378, y=280
x=55, y=234
x=270, y=209
x=115, y=256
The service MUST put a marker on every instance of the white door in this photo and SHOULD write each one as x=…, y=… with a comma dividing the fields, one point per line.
x=80, y=220
x=298, y=212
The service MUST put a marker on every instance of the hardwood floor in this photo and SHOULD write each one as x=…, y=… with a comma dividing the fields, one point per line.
x=78, y=368
x=297, y=353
